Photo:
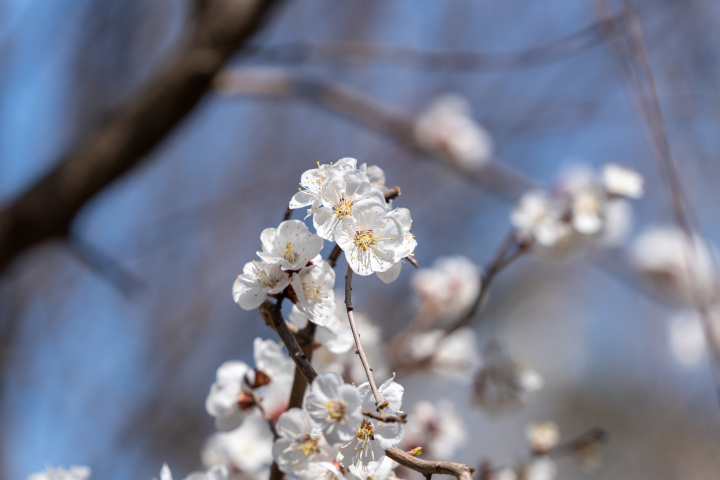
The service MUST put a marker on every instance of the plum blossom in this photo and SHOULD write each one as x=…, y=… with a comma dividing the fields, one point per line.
x=217, y=472
x=406, y=248
x=666, y=260
x=447, y=289
x=246, y=450
x=344, y=196
x=73, y=473
x=291, y=245
x=447, y=129
x=687, y=336
x=370, y=240
x=539, y=218
x=437, y=429
x=256, y=282
x=320, y=471
x=313, y=287
x=543, y=437
x=622, y=181
x=376, y=176
x=334, y=407
x=455, y=355
x=367, y=450
x=299, y=442
x=313, y=183
x=230, y=401
x=384, y=472
x=503, y=382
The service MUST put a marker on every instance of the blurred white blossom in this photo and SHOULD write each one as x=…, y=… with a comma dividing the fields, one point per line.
x=622, y=181
x=438, y=430
x=503, y=382
x=73, y=473
x=245, y=451
x=543, y=436
x=447, y=129
x=448, y=289
x=217, y=472
x=666, y=260
x=455, y=354
x=687, y=336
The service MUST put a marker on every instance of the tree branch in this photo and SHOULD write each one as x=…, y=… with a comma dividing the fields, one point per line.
x=384, y=417
x=47, y=208
x=358, y=345
x=462, y=472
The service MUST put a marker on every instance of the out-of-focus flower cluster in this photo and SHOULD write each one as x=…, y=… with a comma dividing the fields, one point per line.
x=581, y=209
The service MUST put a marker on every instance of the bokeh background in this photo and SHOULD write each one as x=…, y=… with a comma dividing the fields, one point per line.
x=110, y=368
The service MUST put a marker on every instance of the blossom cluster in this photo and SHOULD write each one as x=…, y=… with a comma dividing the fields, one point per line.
x=582, y=208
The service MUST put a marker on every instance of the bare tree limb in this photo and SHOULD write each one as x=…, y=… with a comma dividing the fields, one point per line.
x=384, y=417
x=462, y=472
x=47, y=208
x=358, y=345
x=452, y=60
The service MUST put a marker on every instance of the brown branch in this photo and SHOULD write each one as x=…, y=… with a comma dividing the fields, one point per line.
x=462, y=472
x=358, y=345
x=392, y=193
x=384, y=417
x=47, y=209
x=332, y=259
x=401, y=56
x=362, y=109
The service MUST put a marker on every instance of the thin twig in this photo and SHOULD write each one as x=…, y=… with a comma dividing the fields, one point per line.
x=332, y=259
x=411, y=57
x=263, y=412
x=384, y=417
x=358, y=345
x=459, y=470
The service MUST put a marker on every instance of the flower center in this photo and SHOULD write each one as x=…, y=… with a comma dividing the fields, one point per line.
x=335, y=410
x=365, y=432
x=289, y=254
x=344, y=206
x=587, y=203
x=309, y=445
x=364, y=239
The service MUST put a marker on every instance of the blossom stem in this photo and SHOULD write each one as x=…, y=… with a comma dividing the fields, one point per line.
x=384, y=417
x=358, y=345
x=458, y=470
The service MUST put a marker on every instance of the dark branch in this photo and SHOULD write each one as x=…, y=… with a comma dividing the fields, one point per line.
x=462, y=472
x=48, y=207
x=384, y=417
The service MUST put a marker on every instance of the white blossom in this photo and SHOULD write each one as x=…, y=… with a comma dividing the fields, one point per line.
x=73, y=473
x=367, y=450
x=543, y=436
x=687, y=335
x=313, y=183
x=454, y=355
x=335, y=407
x=503, y=382
x=448, y=289
x=540, y=468
x=291, y=245
x=384, y=472
x=667, y=261
x=257, y=280
x=406, y=248
x=447, y=129
x=539, y=217
x=376, y=176
x=313, y=287
x=216, y=472
x=246, y=450
x=320, y=471
x=344, y=196
x=370, y=240
x=335, y=334
x=229, y=400
x=622, y=181
x=298, y=443
x=438, y=430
